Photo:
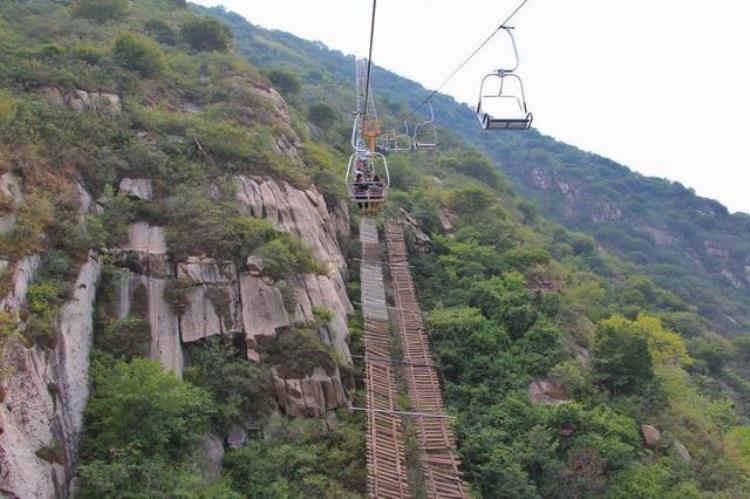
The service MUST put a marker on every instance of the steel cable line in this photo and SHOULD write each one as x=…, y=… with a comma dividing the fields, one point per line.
x=369, y=59
x=465, y=62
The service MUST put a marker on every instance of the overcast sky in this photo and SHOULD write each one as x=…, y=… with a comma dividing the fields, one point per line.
x=662, y=86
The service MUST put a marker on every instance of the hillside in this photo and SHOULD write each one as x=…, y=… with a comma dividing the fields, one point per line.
x=687, y=244
x=179, y=309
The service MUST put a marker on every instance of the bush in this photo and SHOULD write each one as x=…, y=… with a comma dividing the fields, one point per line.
x=7, y=107
x=126, y=339
x=288, y=255
x=100, y=10
x=43, y=298
x=205, y=34
x=285, y=81
x=296, y=353
x=137, y=407
x=621, y=359
x=9, y=338
x=471, y=200
x=161, y=32
x=138, y=54
x=322, y=115
x=300, y=459
x=240, y=388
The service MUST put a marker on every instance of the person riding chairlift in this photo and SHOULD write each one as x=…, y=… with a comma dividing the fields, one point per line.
x=360, y=188
x=376, y=188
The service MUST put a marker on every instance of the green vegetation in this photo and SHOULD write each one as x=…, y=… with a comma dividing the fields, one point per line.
x=285, y=81
x=138, y=53
x=301, y=459
x=100, y=90
x=206, y=35
x=141, y=426
x=100, y=10
x=238, y=387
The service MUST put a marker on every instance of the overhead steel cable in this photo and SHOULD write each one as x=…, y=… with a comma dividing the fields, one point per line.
x=369, y=59
x=466, y=61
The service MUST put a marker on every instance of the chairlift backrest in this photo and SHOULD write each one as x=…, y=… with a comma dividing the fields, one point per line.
x=425, y=134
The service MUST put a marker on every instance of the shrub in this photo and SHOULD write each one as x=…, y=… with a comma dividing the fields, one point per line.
x=471, y=200
x=137, y=406
x=126, y=339
x=138, y=54
x=7, y=107
x=288, y=255
x=247, y=234
x=299, y=459
x=43, y=298
x=100, y=10
x=205, y=34
x=9, y=338
x=161, y=32
x=296, y=353
x=621, y=359
x=240, y=388
x=285, y=81
x=322, y=115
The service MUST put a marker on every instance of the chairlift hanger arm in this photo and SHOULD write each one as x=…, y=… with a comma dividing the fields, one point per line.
x=466, y=61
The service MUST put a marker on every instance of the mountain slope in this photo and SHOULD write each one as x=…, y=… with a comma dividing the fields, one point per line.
x=687, y=244
x=176, y=318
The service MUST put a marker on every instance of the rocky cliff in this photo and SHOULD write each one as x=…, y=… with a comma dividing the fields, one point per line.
x=44, y=397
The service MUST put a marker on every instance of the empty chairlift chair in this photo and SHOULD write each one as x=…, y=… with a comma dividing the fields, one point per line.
x=425, y=134
x=395, y=142
x=502, y=102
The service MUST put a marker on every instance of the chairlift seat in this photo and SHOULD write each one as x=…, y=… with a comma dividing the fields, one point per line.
x=490, y=123
x=425, y=147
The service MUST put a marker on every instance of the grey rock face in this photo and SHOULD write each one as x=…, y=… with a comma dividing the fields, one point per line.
x=46, y=394
x=139, y=188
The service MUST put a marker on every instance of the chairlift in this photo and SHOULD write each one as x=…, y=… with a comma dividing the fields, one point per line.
x=367, y=180
x=397, y=142
x=425, y=134
x=507, y=107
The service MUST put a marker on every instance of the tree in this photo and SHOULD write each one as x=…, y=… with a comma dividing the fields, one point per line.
x=138, y=53
x=285, y=81
x=140, y=410
x=471, y=200
x=239, y=387
x=322, y=115
x=100, y=10
x=621, y=359
x=206, y=34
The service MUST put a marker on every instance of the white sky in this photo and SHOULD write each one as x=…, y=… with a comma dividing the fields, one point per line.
x=662, y=86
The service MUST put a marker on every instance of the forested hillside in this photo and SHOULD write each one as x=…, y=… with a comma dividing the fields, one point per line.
x=178, y=309
x=687, y=244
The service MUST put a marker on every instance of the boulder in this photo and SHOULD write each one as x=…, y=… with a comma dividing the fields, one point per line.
x=212, y=450
x=651, y=434
x=547, y=391
x=682, y=451
x=311, y=396
x=104, y=102
x=139, y=188
x=237, y=437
